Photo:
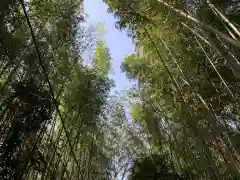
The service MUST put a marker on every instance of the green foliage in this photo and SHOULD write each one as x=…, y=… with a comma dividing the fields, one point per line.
x=102, y=59
x=154, y=167
x=58, y=137
x=31, y=109
x=136, y=113
x=187, y=82
x=57, y=120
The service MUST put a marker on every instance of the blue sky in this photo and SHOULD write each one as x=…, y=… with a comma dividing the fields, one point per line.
x=118, y=42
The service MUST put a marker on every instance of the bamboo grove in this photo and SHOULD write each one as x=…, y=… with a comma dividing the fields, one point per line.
x=59, y=119
x=186, y=69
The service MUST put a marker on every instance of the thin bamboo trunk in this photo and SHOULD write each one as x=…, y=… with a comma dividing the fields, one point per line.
x=203, y=25
x=191, y=123
x=224, y=18
x=215, y=69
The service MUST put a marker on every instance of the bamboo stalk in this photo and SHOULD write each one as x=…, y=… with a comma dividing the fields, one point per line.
x=210, y=44
x=224, y=18
x=203, y=25
x=196, y=131
x=199, y=96
x=214, y=67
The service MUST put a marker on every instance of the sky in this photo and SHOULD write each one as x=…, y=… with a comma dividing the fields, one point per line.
x=118, y=43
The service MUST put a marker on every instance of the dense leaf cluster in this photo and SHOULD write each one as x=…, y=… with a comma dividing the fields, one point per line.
x=186, y=68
